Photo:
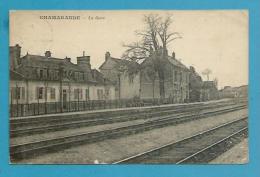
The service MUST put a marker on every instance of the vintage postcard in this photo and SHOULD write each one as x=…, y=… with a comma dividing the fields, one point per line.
x=128, y=87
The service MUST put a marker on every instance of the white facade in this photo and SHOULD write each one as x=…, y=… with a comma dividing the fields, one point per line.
x=22, y=92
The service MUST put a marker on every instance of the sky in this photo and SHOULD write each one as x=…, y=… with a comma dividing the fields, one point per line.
x=214, y=39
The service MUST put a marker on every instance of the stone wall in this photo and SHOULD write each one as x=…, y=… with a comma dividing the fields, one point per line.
x=129, y=86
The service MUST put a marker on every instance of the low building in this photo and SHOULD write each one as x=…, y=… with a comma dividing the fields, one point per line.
x=114, y=69
x=232, y=92
x=45, y=79
x=176, y=80
x=242, y=91
x=209, y=91
x=227, y=92
x=144, y=83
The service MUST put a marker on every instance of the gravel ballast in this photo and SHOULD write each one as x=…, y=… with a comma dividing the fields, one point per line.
x=112, y=150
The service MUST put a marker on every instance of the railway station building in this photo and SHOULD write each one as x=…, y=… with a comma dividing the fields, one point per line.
x=41, y=79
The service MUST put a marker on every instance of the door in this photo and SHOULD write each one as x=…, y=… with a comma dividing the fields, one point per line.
x=64, y=98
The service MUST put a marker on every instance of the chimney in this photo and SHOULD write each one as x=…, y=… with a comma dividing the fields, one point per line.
x=48, y=54
x=107, y=56
x=68, y=59
x=15, y=56
x=84, y=62
x=173, y=55
x=94, y=76
x=192, y=69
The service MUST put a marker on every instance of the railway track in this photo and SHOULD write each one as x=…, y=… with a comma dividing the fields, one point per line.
x=200, y=148
x=31, y=149
x=27, y=128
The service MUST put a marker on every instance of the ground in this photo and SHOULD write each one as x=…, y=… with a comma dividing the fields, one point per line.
x=112, y=150
x=236, y=155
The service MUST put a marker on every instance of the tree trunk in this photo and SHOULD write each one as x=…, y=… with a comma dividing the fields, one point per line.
x=161, y=74
x=161, y=83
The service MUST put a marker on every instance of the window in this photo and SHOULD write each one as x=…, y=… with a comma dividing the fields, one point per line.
x=78, y=94
x=53, y=94
x=39, y=93
x=180, y=76
x=87, y=94
x=81, y=76
x=107, y=93
x=45, y=73
x=41, y=74
x=48, y=73
x=18, y=93
x=76, y=75
x=100, y=94
x=56, y=74
x=175, y=75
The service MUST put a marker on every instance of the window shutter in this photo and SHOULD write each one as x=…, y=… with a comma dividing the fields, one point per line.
x=37, y=93
x=38, y=72
x=54, y=93
x=45, y=73
x=43, y=92
x=23, y=92
x=87, y=94
x=81, y=94
x=16, y=93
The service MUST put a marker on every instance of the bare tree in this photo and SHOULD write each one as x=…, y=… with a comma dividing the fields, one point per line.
x=150, y=72
x=207, y=73
x=153, y=43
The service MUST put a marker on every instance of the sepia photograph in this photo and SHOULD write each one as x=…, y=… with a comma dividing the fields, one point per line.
x=128, y=87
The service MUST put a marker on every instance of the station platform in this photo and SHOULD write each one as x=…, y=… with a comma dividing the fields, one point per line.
x=103, y=111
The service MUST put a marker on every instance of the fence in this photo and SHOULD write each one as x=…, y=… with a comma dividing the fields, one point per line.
x=19, y=110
